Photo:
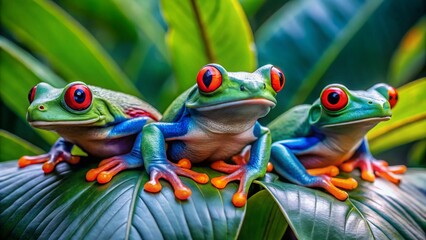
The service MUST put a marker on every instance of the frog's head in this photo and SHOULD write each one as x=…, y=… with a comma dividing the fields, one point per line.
x=73, y=105
x=341, y=107
x=243, y=95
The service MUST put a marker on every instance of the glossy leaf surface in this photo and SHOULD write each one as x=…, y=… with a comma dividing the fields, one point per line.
x=379, y=210
x=408, y=122
x=321, y=42
x=62, y=204
x=202, y=32
x=263, y=218
x=67, y=46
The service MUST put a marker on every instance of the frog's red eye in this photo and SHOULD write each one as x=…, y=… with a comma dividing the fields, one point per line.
x=334, y=99
x=78, y=97
x=277, y=79
x=209, y=79
x=31, y=94
x=393, y=97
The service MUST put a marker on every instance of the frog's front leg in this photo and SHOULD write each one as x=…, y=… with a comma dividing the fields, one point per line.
x=253, y=169
x=286, y=164
x=370, y=166
x=157, y=164
x=60, y=151
x=110, y=167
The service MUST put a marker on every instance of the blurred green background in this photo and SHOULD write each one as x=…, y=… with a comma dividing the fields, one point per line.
x=154, y=49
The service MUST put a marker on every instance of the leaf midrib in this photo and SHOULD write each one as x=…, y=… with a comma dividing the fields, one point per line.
x=203, y=34
x=133, y=206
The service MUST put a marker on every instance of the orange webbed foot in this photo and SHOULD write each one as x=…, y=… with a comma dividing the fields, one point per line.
x=370, y=168
x=169, y=171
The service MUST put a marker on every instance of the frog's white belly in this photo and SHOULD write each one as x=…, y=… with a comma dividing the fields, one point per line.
x=325, y=154
x=97, y=142
x=207, y=146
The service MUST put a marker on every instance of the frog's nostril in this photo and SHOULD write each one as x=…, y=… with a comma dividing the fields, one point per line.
x=242, y=88
x=41, y=108
x=264, y=86
x=370, y=102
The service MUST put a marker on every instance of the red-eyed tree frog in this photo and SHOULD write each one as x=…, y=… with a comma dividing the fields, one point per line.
x=213, y=120
x=309, y=141
x=103, y=123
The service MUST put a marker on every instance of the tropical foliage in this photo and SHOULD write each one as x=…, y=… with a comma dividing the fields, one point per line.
x=153, y=50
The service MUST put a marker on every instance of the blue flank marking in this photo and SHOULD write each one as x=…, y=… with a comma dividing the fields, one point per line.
x=131, y=126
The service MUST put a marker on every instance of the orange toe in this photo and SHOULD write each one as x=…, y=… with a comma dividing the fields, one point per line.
x=239, y=199
x=219, y=182
x=104, y=177
x=270, y=167
x=184, y=163
x=389, y=176
x=202, y=178
x=349, y=183
x=183, y=193
x=347, y=167
x=48, y=167
x=368, y=176
x=91, y=175
x=152, y=187
x=23, y=162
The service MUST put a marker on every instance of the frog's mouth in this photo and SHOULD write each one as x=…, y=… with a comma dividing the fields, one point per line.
x=375, y=119
x=247, y=102
x=48, y=124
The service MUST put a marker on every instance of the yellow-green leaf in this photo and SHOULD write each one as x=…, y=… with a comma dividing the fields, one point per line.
x=408, y=121
x=410, y=57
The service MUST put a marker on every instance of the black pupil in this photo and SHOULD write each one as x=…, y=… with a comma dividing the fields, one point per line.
x=79, y=96
x=333, y=98
x=281, y=78
x=207, y=78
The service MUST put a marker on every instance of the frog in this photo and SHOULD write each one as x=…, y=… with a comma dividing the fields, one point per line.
x=213, y=120
x=311, y=142
x=103, y=123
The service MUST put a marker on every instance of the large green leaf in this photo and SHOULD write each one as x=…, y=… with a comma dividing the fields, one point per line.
x=202, y=32
x=63, y=205
x=408, y=122
x=12, y=146
x=19, y=72
x=263, y=219
x=321, y=42
x=379, y=210
x=46, y=28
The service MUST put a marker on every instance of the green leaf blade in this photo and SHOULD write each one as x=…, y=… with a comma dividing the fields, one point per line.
x=379, y=210
x=197, y=33
x=63, y=204
x=69, y=48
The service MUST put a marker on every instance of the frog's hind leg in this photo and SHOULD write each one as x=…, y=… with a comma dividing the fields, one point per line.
x=110, y=167
x=288, y=166
x=60, y=151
